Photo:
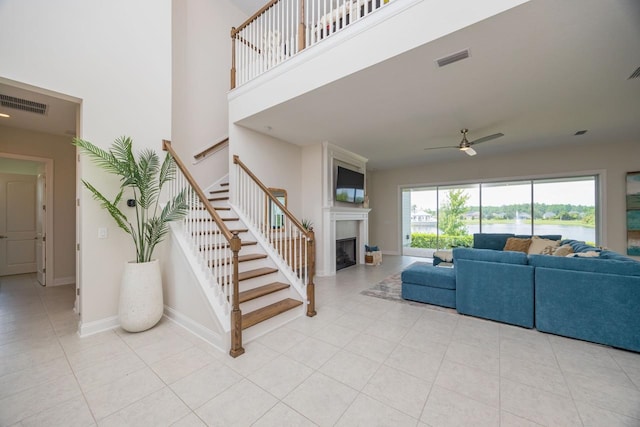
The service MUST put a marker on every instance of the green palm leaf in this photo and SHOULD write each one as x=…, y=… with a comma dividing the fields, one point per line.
x=146, y=177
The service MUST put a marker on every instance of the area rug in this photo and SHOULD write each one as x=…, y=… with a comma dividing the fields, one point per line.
x=390, y=289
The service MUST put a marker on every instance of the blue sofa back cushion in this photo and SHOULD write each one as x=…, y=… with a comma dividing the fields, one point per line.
x=579, y=246
x=542, y=236
x=590, y=265
x=495, y=241
x=490, y=255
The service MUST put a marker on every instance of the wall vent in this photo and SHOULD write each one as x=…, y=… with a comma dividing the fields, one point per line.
x=635, y=74
x=22, y=104
x=454, y=57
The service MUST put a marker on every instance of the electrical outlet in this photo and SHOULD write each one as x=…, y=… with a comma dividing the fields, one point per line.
x=102, y=233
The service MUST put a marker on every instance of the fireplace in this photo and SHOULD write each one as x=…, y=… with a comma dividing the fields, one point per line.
x=345, y=253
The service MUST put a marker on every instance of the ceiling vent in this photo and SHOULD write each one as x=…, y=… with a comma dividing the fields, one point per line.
x=635, y=74
x=454, y=57
x=23, y=104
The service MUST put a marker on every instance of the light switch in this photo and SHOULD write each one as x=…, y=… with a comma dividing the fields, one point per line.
x=102, y=233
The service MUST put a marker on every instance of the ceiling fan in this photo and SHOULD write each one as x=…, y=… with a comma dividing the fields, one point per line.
x=465, y=144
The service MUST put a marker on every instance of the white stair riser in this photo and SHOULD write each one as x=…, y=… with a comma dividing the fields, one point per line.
x=255, y=304
x=272, y=324
x=255, y=282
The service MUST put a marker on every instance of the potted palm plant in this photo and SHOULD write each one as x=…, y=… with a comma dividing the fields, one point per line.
x=141, y=301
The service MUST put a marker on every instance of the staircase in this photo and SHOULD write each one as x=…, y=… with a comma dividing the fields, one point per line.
x=256, y=275
x=264, y=293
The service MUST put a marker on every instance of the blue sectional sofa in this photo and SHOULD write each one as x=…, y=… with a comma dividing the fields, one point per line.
x=494, y=285
x=594, y=299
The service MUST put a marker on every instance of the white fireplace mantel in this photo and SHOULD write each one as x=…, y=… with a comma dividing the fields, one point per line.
x=330, y=216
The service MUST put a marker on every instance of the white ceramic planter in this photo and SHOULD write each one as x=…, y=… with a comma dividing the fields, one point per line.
x=141, y=303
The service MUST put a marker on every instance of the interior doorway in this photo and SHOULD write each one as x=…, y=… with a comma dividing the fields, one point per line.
x=38, y=125
x=24, y=217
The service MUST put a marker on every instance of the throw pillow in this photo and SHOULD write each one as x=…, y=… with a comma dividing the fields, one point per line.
x=538, y=244
x=548, y=250
x=517, y=245
x=563, y=250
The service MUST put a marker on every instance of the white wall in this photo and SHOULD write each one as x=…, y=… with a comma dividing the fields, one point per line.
x=201, y=69
x=58, y=148
x=116, y=56
x=276, y=163
x=312, y=202
x=614, y=159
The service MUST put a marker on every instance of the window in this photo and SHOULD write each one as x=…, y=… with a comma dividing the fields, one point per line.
x=506, y=207
x=441, y=217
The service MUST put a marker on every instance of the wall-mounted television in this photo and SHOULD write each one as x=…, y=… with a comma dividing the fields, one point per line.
x=349, y=186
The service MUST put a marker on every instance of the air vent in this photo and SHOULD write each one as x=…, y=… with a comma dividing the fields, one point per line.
x=22, y=104
x=455, y=57
x=635, y=74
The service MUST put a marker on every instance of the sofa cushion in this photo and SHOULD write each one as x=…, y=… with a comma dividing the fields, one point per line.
x=538, y=245
x=563, y=250
x=495, y=241
x=579, y=246
x=489, y=255
x=428, y=275
x=517, y=245
x=589, y=265
x=542, y=236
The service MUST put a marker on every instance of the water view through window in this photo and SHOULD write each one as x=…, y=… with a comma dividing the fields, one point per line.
x=441, y=217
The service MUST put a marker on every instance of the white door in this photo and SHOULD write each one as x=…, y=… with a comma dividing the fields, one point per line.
x=17, y=224
x=41, y=228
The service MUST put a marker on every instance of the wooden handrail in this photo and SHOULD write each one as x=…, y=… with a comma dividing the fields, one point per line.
x=204, y=153
x=235, y=244
x=273, y=199
x=308, y=234
x=253, y=17
x=166, y=146
x=235, y=34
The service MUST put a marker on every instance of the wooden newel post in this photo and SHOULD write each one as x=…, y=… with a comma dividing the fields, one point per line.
x=302, y=29
x=233, y=57
x=311, y=262
x=236, y=314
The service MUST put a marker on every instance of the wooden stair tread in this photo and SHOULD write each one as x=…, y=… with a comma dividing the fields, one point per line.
x=238, y=230
x=242, y=258
x=224, y=184
x=226, y=190
x=217, y=199
x=250, y=274
x=215, y=208
x=261, y=291
x=211, y=219
x=226, y=245
x=268, y=312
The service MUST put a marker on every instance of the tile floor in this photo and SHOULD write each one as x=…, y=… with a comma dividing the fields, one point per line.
x=361, y=362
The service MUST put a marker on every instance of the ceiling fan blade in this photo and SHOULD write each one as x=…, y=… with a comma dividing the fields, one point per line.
x=470, y=151
x=487, y=138
x=438, y=148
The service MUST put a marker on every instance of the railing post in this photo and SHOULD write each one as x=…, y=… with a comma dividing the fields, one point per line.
x=233, y=57
x=311, y=262
x=302, y=30
x=236, y=314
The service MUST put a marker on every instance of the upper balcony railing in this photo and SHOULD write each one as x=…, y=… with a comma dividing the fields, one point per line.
x=282, y=28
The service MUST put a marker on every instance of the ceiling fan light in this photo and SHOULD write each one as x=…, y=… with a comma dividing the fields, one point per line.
x=470, y=151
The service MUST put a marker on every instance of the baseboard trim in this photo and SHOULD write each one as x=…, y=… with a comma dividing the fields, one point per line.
x=86, y=329
x=70, y=280
x=217, y=340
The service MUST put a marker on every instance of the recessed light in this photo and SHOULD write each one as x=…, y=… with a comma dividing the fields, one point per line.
x=580, y=132
x=4, y=115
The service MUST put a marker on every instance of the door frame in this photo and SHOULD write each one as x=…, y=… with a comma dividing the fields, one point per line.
x=48, y=170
